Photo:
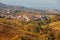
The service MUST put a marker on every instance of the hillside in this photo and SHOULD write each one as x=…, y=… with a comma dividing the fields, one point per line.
x=21, y=23
x=13, y=8
x=55, y=25
x=4, y=8
x=21, y=30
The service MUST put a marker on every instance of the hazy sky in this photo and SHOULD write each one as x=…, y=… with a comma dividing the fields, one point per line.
x=41, y=4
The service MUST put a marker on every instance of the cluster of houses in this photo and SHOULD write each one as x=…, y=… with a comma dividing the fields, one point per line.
x=23, y=17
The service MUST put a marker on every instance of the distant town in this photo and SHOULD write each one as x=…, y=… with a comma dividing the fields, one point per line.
x=19, y=12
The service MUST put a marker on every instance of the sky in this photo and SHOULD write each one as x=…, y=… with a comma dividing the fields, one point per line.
x=39, y=4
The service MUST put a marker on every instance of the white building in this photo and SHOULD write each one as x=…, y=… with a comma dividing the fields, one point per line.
x=25, y=17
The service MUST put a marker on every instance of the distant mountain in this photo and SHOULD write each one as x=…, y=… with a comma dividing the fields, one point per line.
x=8, y=6
x=12, y=8
x=19, y=8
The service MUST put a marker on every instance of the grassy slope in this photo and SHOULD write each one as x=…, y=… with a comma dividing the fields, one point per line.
x=10, y=29
x=55, y=25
